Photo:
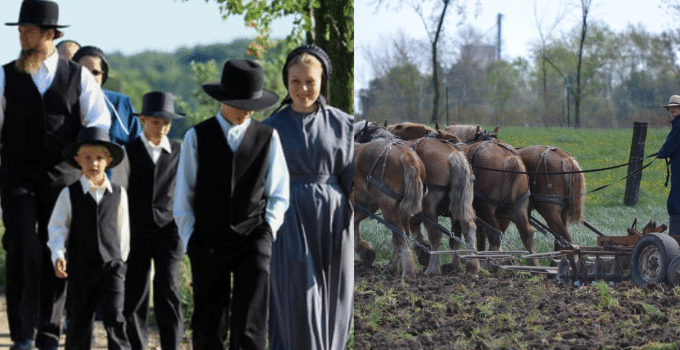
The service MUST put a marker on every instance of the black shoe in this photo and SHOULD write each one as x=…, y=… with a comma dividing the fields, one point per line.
x=23, y=345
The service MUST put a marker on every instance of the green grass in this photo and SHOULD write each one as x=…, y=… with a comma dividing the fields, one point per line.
x=604, y=209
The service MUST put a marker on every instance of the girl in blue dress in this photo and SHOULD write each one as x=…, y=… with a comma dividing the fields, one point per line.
x=312, y=264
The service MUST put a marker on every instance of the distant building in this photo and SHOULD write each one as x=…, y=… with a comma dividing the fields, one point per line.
x=483, y=55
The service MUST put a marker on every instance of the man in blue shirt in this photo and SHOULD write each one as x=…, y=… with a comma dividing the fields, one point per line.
x=670, y=150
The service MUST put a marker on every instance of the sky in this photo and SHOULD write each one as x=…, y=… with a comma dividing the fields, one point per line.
x=519, y=28
x=132, y=26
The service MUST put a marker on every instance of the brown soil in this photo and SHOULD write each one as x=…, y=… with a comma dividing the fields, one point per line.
x=508, y=310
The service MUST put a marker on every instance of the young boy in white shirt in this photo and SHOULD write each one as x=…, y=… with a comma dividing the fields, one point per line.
x=89, y=237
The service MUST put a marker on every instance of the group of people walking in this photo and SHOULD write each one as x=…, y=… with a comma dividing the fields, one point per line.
x=93, y=193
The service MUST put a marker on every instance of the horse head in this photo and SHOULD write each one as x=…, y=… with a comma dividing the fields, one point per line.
x=371, y=131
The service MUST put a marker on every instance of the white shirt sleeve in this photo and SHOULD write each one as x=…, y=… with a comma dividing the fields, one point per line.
x=277, y=185
x=59, y=226
x=124, y=225
x=121, y=172
x=185, y=187
x=93, y=110
x=3, y=103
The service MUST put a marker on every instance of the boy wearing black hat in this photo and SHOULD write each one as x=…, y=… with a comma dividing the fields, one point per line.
x=148, y=172
x=230, y=198
x=90, y=229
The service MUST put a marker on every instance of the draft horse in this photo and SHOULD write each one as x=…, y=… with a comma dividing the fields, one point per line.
x=558, y=198
x=450, y=193
x=501, y=192
x=388, y=176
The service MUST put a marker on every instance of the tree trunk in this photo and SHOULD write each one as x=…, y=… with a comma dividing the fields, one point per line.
x=435, y=62
x=334, y=32
x=585, y=5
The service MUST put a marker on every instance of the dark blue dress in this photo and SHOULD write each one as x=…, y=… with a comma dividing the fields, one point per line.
x=312, y=264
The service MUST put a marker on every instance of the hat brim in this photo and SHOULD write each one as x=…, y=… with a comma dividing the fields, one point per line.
x=671, y=105
x=268, y=98
x=116, y=151
x=162, y=115
x=37, y=24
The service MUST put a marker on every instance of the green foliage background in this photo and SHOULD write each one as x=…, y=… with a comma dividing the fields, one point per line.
x=183, y=71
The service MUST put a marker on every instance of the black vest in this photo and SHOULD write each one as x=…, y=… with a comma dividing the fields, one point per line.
x=37, y=128
x=229, y=196
x=151, y=189
x=93, y=238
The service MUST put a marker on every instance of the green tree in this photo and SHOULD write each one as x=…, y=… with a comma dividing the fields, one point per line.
x=326, y=23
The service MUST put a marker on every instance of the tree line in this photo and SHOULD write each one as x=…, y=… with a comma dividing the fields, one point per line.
x=610, y=79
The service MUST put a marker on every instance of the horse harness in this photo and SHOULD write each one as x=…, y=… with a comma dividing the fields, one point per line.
x=479, y=194
x=545, y=198
x=380, y=184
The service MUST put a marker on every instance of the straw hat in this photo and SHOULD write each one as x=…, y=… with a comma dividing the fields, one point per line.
x=673, y=101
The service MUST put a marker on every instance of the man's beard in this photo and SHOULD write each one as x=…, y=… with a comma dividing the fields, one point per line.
x=29, y=60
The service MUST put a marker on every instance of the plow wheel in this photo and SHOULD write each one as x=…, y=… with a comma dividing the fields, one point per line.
x=651, y=256
x=673, y=274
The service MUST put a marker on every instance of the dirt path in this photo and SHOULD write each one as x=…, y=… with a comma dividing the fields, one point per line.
x=100, y=333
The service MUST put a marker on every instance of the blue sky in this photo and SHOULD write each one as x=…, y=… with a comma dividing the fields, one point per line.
x=133, y=26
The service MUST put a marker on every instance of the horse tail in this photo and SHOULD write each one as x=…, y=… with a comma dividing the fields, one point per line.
x=462, y=189
x=515, y=167
x=576, y=189
x=413, y=183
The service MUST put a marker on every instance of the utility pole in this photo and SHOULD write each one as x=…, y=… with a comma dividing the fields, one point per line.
x=498, y=40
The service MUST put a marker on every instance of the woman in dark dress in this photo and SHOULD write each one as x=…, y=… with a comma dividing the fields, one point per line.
x=312, y=258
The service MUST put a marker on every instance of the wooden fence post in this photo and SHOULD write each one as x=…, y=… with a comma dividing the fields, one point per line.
x=637, y=154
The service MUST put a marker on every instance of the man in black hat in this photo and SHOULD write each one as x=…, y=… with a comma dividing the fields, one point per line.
x=45, y=100
x=230, y=199
x=148, y=173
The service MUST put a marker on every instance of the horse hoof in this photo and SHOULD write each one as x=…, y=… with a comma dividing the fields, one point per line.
x=423, y=257
x=367, y=258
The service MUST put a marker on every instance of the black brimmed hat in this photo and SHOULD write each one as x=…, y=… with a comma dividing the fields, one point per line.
x=93, y=136
x=42, y=13
x=96, y=52
x=159, y=104
x=241, y=86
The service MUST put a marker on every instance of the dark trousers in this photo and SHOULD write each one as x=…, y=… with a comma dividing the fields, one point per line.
x=242, y=308
x=165, y=247
x=90, y=284
x=35, y=296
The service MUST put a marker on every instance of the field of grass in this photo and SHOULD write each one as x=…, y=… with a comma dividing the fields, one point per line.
x=593, y=149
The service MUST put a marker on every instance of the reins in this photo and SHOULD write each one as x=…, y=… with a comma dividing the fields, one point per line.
x=568, y=172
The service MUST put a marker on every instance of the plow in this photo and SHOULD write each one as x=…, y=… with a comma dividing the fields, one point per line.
x=644, y=257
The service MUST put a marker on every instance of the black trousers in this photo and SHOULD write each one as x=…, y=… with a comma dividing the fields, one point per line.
x=89, y=285
x=242, y=308
x=35, y=296
x=165, y=247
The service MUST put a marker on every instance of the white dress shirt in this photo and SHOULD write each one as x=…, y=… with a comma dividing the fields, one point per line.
x=121, y=173
x=59, y=227
x=93, y=110
x=276, y=187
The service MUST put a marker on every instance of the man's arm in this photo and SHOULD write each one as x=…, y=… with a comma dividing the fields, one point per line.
x=277, y=184
x=185, y=187
x=670, y=147
x=93, y=110
x=124, y=225
x=59, y=226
